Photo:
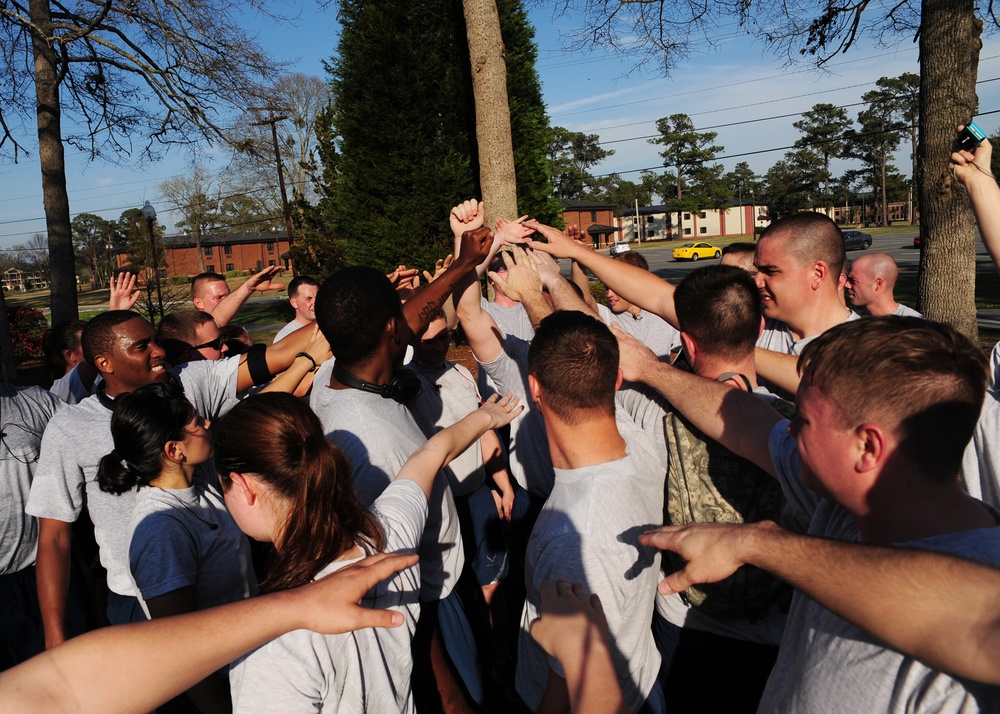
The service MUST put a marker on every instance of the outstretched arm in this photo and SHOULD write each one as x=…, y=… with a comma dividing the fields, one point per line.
x=425, y=463
x=480, y=328
x=523, y=283
x=280, y=356
x=736, y=419
x=640, y=287
x=227, y=308
x=109, y=670
x=778, y=368
x=938, y=608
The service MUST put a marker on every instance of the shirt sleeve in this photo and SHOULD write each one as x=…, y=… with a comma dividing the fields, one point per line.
x=57, y=489
x=162, y=555
x=788, y=467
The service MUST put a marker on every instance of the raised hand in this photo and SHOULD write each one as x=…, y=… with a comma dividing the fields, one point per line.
x=466, y=216
x=522, y=275
x=475, y=246
x=969, y=165
x=402, y=277
x=441, y=265
x=546, y=265
x=123, y=294
x=261, y=281
x=513, y=232
x=558, y=243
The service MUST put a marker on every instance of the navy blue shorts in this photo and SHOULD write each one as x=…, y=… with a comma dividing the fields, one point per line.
x=483, y=535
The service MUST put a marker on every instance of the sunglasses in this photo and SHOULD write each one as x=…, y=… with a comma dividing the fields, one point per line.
x=215, y=344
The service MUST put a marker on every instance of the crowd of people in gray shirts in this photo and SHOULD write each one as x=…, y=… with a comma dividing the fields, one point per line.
x=736, y=480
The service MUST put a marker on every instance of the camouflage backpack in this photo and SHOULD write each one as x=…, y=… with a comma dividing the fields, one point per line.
x=707, y=483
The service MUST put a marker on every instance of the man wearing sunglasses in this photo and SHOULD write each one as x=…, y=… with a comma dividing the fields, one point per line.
x=189, y=336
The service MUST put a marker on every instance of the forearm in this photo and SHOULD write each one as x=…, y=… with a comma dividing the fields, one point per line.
x=941, y=609
x=738, y=420
x=777, y=368
x=578, y=276
x=536, y=307
x=292, y=378
x=227, y=308
x=421, y=308
x=564, y=297
x=483, y=266
x=279, y=356
x=52, y=578
x=637, y=286
x=76, y=676
x=442, y=448
x=985, y=197
x=591, y=681
x=480, y=328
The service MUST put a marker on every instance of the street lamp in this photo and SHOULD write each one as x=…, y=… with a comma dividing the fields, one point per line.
x=149, y=213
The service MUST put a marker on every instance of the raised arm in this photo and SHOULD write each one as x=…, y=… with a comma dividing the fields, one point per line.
x=421, y=308
x=109, y=670
x=279, y=356
x=523, y=283
x=778, y=368
x=480, y=328
x=906, y=604
x=640, y=287
x=564, y=296
x=442, y=448
x=227, y=308
x=736, y=419
x=122, y=294
x=973, y=170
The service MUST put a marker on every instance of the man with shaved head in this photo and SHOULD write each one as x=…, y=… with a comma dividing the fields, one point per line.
x=870, y=283
x=799, y=261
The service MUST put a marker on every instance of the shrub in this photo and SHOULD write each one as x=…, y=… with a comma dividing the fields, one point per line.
x=235, y=273
x=599, y=292
x=26, y=328
x=178, y=280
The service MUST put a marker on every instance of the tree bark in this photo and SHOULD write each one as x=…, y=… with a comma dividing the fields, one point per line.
x=489, y=87
x=50, y=154
x=7, y=361
x=949, y=52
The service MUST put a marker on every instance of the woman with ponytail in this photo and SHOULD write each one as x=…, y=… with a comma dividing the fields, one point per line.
x=286, y=484
x=185, y=551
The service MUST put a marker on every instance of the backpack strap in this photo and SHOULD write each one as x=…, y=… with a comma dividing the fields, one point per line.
x=726, y=376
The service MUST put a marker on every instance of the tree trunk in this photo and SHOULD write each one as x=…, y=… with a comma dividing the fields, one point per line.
x=8, y=363
x=885, y=198
x=50, y=154
x=949, y=53
x=489, y=87
x=197, y=247
x=913, y=172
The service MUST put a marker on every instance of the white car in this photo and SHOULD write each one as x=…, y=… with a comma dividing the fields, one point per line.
x=619, y=247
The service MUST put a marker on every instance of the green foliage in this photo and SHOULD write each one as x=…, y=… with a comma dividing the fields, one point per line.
x=182, y=279
x=684, y=149
x=571, y=154
x=27, y=325
x=599, y=292
x=235, y=273
x=400, y=148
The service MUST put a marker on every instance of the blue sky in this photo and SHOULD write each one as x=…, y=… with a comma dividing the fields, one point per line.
x=736, y=81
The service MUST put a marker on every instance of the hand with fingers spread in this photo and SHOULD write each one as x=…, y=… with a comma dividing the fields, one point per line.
x=513, y=232
x=557, y=243
x=441, y=265
x=522, y=279
x=501, y=410
x=261, y=282
x=710, y=549
x=546, y=266
x=466, y=216
x=123, y=294
x=331, y=605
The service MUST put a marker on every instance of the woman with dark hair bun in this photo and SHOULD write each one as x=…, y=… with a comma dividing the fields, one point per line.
x=185, y=551
x=286, y=484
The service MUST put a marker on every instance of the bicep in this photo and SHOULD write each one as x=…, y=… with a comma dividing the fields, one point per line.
x=175, y=602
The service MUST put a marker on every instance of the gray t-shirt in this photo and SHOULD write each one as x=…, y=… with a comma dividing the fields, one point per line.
x=825, y=664
x=377, y=436
x=367, y=670
x=287, y=330
x=72, y=447
x=448, y=395
x=71, y=389
x=511, y=321
x=587, y=532
x=651, y=330
x=530, y=463
x=172, y=545
x=981, y=460
x=24, y=413
x=777, y=336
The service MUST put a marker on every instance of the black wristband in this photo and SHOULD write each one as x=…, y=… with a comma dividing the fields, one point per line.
x=257, y=364
x=308, y=357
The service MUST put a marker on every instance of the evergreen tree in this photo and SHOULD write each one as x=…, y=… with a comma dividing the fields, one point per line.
x=822, y=129
x=404, y=129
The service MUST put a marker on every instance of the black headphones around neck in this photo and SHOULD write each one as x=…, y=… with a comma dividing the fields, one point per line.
x=404, y=385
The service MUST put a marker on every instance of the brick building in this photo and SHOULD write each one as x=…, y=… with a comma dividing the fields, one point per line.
x=222, y=252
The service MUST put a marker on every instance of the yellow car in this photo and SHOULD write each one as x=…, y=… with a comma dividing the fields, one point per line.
x=694, y=251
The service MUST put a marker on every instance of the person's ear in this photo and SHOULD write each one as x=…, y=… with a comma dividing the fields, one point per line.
x=761, y=330
x=690, y=348
x=819, y=271
x=246, y=487
x=535, y=389
x=173, y=451
x=104, y=364
x=619, y=379
x=872, y=447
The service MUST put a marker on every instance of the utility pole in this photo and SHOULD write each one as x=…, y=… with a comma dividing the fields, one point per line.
x=273, y=122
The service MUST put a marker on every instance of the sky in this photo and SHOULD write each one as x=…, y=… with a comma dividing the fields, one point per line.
x=735, y=83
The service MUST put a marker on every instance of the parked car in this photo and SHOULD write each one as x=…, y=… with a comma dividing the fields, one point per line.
x=916, y=241
x=694, y=251
x=619, y=247
x=856, y=240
